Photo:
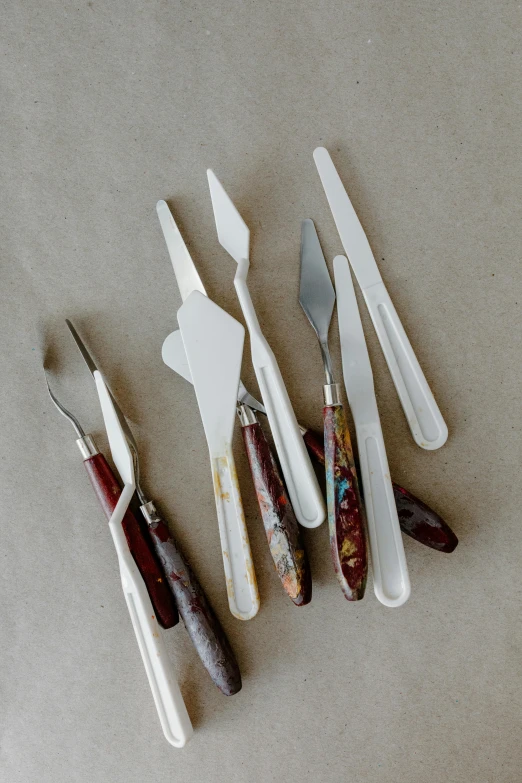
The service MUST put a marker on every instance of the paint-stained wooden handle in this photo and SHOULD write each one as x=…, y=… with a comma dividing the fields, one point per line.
x=422, y=523
x=203, y=627
x=282, y=531
x=416, y=518
x=345, y=508
x=108, y=491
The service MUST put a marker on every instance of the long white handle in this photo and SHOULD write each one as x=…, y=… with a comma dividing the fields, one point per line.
x=243, y=596
x=427, y=426
x=300, y=478
x=171, y=708
x=391, y=582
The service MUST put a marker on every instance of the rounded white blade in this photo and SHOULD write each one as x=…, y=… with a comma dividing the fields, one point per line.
x=174, y=356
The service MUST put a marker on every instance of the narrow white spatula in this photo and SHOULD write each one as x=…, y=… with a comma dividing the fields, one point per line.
x=300, y=478
x=425, y=420
x=213, y=342
x=171, y=708
x=391, y=582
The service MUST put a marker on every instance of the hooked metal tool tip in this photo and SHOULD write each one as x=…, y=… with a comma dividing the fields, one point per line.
x=63, y=410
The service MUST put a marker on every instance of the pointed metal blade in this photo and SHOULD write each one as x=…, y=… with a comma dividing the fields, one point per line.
x=316, y=292
x=89, y=361
x=232, y=231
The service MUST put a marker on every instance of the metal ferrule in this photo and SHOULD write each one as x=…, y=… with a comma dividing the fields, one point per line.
x=149, y=512
x=246, y=415
x=87, y=447
x=332, y=394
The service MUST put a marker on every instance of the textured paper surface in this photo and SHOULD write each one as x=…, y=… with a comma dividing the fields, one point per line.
x=108, y=107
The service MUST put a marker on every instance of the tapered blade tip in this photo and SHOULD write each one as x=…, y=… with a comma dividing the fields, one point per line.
x=232, y=231
x=161, y=205
x=316, y=292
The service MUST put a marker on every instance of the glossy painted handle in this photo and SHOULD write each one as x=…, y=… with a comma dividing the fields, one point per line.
x=345, y=509
x=170, y=706
x=415, y=518
x=203, y=627
x=243, y=596
x=300, y=478
x=108, y=491
x=422, y=523
x=422, y=413
x=282, y=531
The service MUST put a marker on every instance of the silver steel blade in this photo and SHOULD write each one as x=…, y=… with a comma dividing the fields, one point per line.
x=246, y=398
x=184, y=269
x=89, y=361
x=355, y=241
x=316, y=292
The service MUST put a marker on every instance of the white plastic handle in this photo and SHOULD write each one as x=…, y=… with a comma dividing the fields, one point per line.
x=300, y=478
x=425, y=420
x=391, y=581
x=390, y=573
x=243, y=595
x=170, y=706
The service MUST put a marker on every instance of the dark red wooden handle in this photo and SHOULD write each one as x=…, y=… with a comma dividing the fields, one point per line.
x=416, y=518
x=345, y=508
x=108, y=491
x=282, y=531
x=203, y=627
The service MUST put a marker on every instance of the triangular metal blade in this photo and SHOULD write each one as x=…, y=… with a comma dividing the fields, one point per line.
x=316, y=292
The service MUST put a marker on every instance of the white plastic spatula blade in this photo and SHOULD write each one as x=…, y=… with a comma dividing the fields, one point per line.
x=424, y=418
x=391, y=582
x=299, y=474
x=170, y=706
x=174, y=356
x=213, y=343
x=119, y=446
x=233, y=233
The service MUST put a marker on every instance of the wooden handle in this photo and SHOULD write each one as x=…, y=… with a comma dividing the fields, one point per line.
x=422, y=523
x=345, y=509
x=108, y=491
x=203, y=627
x=282, y=531
x=416, y=518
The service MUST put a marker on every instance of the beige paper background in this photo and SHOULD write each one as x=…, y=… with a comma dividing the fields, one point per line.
x=108, y=107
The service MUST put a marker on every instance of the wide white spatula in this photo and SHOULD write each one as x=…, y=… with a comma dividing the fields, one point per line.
x=298, y=472
x=213, y=342
x=171, y=708
x=425, y=420
x=391, y=582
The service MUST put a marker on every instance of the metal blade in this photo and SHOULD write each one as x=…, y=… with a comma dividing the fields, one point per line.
x=316, y=292
x=89, y=361
x=186, y=273
x=232, y=231
x=246, y=398
x=355, y=241
x=63, y=410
